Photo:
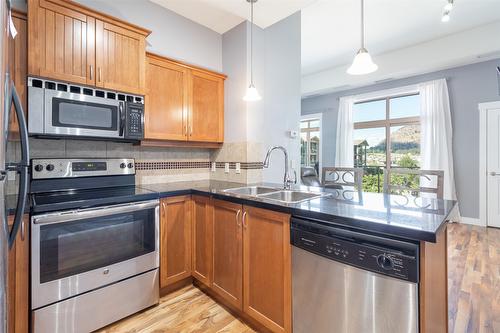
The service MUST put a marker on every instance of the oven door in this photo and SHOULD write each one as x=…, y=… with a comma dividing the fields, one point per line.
x=78, y=251
x=82, y=115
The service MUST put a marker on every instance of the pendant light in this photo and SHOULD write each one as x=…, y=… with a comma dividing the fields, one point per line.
x=252, y=94
x=362, y=63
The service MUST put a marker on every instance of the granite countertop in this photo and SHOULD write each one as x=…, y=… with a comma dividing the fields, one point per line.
x=392, y=215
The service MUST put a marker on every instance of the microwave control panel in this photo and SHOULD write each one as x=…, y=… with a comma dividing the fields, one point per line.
x=134, y=124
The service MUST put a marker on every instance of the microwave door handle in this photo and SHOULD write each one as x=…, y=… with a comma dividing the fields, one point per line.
x=22, y=168
x=122, y=118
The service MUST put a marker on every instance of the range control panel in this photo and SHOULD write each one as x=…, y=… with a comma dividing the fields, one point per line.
x=354, y=250
x=71, y=168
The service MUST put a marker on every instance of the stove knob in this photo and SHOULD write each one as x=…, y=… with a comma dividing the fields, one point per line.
x=50, y=167
x=385, y=262
x=38, y=167
x=123, y=165
x=130, y=165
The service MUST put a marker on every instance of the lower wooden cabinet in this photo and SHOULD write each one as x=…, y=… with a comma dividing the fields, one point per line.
x=202, y=220
x=18, y=280
x=240, y=253
x=175, y=239
x=267, y=268
x=227, y=279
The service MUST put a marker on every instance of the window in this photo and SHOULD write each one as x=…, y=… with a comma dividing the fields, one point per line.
x=386, y=135
x=309, y=142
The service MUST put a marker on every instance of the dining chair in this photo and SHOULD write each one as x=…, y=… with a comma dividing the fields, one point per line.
x=413, y=181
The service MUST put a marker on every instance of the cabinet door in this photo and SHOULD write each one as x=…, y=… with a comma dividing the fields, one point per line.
x=206, y=117
x=267, y=268
x=175, y=241
x=120, y=58
x=61, y=42
x=227, y=246
x=18, y=280
x=202, y=239
x=18, y=59
x=166, y=100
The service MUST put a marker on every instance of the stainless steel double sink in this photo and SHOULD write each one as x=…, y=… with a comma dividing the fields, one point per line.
x=276, y=194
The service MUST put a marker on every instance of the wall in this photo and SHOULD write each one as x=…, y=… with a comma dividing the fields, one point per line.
x=468, y=86
x=172, y=35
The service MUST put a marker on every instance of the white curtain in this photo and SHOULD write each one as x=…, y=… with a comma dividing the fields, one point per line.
x=344, y=152
x=436, y=132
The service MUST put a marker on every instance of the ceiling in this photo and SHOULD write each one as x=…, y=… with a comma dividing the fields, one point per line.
x=223, y=15
x=331, y=28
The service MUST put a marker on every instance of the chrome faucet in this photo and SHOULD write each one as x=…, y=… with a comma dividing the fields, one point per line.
x=287, y=180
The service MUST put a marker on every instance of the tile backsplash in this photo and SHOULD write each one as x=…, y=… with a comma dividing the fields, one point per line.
x=157, y=164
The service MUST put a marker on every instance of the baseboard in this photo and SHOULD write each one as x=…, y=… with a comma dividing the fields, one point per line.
x=471, y=221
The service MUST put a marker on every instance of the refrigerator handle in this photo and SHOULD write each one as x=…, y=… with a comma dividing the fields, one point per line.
x=22, y=167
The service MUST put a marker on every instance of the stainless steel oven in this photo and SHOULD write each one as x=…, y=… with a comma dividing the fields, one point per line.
x=98, y=260
x=61, y=109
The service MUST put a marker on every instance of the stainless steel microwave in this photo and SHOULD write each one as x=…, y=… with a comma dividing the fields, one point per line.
x=57, y=109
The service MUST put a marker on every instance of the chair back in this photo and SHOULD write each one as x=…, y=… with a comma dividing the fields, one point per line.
x=309, y=177
x=414, y=182
x=336, y=177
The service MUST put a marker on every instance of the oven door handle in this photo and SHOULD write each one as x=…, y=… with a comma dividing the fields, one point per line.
x=93, y=212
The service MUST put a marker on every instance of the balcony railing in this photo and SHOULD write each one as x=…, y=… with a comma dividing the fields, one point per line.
x=373, y=178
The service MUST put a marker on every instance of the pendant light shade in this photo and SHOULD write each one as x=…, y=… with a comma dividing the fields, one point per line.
x=362, y=63
x=251, y=94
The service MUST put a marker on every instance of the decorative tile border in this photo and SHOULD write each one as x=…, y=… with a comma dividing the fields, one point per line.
x=164, y=165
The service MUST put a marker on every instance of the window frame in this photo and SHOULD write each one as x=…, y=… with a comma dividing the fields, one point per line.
x=308, y=130
x=387, y=123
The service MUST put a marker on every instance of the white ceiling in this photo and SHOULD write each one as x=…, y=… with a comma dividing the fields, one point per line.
x=331, y=28
x=223, y=15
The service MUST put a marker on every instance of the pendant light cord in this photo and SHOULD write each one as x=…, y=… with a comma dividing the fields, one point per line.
x=362, y=24
x=251, y=44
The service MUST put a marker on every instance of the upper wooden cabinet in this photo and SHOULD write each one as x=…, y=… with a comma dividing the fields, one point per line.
x=120, y=58
x=206, y=116
x=166, y=100
x=183, y=103
x=70, y=42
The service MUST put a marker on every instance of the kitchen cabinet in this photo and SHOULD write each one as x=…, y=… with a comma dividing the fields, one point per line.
x=18, y=68
x=175, y=239
x=227, y=277
x=166, y=114
x=184, y=104
x=267, y=268
x=120, y=58
x=70, y=42
x=202, y=219
x=206, y=116
x=18, y=280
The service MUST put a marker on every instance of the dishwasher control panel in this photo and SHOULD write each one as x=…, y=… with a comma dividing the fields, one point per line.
x=359, y=250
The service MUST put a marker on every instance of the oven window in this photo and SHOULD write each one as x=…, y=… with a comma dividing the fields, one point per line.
x=79, y=114
x=75, y=247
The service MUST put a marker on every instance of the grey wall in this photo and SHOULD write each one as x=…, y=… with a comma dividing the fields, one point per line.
x=172, y=35
x=468, y=86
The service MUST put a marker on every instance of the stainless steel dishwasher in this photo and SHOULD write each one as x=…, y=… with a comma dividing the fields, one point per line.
x=346, y=281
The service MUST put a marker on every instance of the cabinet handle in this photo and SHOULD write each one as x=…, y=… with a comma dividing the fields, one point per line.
x=190, y=130
x=91, y=72
x=245, y=220
x=186, y=129
x=163, y=210
x=99, y=74
x=238, y=218
x=22, y=230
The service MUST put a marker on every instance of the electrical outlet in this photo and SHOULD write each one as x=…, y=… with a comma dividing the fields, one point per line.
x=226, y=167
x=213, y=167
x=238, y=167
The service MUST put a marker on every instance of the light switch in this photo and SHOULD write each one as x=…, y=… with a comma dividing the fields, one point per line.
x=213, y=167
x=238, y=167
x=226, y=167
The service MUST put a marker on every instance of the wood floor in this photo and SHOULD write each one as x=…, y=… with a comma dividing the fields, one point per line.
x=473, y=283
